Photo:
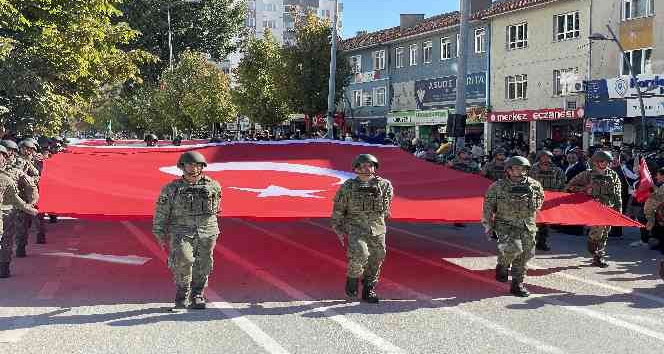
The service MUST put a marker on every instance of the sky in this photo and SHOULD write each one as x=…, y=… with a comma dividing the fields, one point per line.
x=374, y=15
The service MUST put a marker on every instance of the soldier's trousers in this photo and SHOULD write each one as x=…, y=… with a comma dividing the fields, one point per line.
x=515, y=249
x=190, y=259
x=365, y=257
x=542, y=234
x=597, y=237
x=7, y=235
x=23, y=223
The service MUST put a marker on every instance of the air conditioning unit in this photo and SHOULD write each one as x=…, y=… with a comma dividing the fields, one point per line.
x=572, y=83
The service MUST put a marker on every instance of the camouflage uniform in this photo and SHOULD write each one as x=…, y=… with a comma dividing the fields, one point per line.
x=494, y=170
x=652, y=205
x=606, y=189
x=467, y=165
x=28, y=192
x=551, y=179
x=25, y=221
x=186, y=216
x=360, y=210
x=509, y=210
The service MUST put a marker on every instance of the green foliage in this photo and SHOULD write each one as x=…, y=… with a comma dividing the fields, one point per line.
x=260, y=95
x=208, y=26
x=192, y=97
x=308, y=67
x=65, y=56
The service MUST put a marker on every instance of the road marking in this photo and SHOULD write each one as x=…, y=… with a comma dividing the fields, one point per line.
x=257, y=335
x=534, y=265
x=541, y=346
x=591, y=313
x=22, y=325
x=347, y=324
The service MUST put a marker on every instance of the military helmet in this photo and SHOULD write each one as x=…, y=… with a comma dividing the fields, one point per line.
x=517, y=161
x=191, y=157
x=3, y=150
x=362, y=158
x=29, y=143
x=9, y=144
x=544, y=153
x=150, y=137
x=602, y=156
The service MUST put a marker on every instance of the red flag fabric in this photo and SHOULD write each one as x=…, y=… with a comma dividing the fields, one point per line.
x=646, y=183
x=281, y=180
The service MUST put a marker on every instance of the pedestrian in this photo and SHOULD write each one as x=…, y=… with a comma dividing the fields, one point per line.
x=26, y=161
x=464, y=162
x=186, y=219
x=552, y=178
x=27, y=191
x=654, y=212
x=151, y=140
x=510, y=208
x=495, y=169
x=361, y=206
x=603, y=184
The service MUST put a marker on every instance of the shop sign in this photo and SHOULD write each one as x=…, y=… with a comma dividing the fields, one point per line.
x=404, y=96
x=435, y=92
x=654, y=107
x=476, y=115
x=540, y=114
x=432, y=117
x=625, y=86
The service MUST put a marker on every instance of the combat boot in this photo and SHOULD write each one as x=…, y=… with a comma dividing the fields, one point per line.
x=4, y=270
x=41, y=238
x=181, y=298
x=542, y=246
x=351, y=287
x=501, y=273
x=519, y=290
x=369, y=294
x=199, y=302
x=20, y=252
x=598, y=261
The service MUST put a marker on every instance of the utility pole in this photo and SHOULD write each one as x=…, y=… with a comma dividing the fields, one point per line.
x=460, y=107
x=333, y=70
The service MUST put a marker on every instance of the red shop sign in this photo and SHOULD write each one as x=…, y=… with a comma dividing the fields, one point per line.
x=540, y=114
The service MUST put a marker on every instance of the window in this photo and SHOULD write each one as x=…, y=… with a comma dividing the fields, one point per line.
x=517, y=36
x=368, y=99
x=270, y=7
x=558, y=83
x=516, y=87
x=457, y=44
x=567, y=26
x=445, y=48
x=325, y=14
x=379, y=96
x=356, y=64
x=426, y=51
x=480, y=35
x=638, y=8
x=271, y=24
x=398, y=57
x=413, y=54
x=379, y=60
x=251, y=22
x=642, y=60
x=357, y=98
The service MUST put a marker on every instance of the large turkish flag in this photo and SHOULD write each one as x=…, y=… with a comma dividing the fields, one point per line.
x=286, y=180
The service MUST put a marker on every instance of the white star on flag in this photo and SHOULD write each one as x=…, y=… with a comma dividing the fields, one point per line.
x=278, y=191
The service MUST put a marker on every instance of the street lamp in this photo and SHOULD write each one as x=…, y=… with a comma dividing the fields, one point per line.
x=613, y=38
x=170, y=32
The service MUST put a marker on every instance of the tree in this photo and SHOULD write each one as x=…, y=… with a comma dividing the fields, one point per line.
x=308, y=67
x=65, y=55
x=208, y=26
x=259, y=95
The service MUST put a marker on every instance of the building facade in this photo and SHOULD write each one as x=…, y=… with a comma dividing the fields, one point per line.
x=405, y=77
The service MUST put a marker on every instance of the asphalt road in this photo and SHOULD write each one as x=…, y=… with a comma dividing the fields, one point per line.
x=103, y=287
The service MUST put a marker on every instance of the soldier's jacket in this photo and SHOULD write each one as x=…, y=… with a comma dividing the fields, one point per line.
x=361, y=208
x=512, y=205
x=469, y=166
x=606, y=186
x=552, y=179
x=27, y=190
x=494, y=170
x=9, y=195
x=26, y=166
x=653, y=203
x=188, y=209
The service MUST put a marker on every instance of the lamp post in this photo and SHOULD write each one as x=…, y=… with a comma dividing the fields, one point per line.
x=170, y=32
x=333, y=70
x=613, y=38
